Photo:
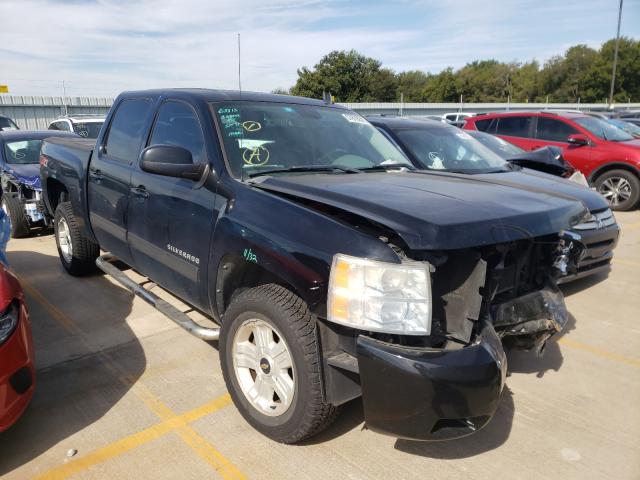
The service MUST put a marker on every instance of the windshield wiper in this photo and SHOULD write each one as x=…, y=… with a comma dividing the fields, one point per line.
x=383, y=167
x=304, y=168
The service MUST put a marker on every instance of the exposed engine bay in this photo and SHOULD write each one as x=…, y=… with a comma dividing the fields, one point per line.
x=29, y=194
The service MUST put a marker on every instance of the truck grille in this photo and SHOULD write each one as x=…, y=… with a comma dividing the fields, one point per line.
x=597, y=221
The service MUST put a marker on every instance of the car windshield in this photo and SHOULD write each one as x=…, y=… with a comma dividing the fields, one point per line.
x=7, y=124
x=497, y=145
x=630, y=128
x=87, y=130
x=263, y=137
x=22, y=152
x=450, y=149
x=603, y=130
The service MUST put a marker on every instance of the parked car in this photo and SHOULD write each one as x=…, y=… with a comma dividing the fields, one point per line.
x=335, y=268
x=454, y=117
x=607, y=156
x=630, y=116
x=7, y=124
x=20, y=179
x=628, y=127
x=546, y=159
x=87, y=126
x=439, y=147
x=17, y=372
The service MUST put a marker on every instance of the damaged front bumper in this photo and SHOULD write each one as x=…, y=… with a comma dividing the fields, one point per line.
x=431, y=394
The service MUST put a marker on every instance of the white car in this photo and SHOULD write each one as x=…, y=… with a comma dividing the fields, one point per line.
x=457, y=116
x=87, y=126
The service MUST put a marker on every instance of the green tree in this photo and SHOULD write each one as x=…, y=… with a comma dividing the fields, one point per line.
x=441, y=87
x=348, y=76
x=412, y=85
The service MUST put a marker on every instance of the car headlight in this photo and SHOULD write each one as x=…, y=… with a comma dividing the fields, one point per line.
x=380, y=296
x=8, y=321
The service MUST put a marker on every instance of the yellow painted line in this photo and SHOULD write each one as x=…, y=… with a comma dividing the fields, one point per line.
x=197, y=443
x=634, y=362
x=629, y=263
x=133, y=441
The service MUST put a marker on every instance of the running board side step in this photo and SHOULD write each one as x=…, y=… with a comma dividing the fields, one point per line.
x=104, y=263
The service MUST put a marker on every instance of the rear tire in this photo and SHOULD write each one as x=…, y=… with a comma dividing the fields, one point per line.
x=621, y=188
x=14, y=209
x=270, y=360
x=77, y=252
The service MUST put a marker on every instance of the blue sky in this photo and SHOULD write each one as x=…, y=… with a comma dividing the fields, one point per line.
x=101, y=47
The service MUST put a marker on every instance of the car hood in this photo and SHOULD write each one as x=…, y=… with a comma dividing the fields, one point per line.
x=28, y=175
x=431, y=210
x=543, y=182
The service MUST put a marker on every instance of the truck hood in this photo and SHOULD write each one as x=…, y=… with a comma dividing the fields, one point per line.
x=28, y=175
x=546, y=183
x=433, y=211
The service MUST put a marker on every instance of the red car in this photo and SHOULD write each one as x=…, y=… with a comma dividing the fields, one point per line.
x=17, y=373
x=606, y=155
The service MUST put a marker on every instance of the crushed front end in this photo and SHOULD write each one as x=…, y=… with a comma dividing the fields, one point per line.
x=448, y=383
x=26, y=190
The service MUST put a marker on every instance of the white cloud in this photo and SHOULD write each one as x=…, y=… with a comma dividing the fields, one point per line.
x=104, y=46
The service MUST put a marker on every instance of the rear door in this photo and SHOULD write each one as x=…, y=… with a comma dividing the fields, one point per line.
x=171, y=219
x=554, y=131
x=517, y=129
x=110, y=174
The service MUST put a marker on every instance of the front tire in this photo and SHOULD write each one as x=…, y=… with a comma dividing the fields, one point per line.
x=621, y=188
x=77, y=252
x=14, y=209
x=271, y=364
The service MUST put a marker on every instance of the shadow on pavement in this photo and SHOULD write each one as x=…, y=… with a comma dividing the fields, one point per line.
x=581, y=284
x=494, y=434
x=520, y=361
x=75, y=384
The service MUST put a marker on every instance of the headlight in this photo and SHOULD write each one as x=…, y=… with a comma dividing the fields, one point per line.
x=8, y=322
x=380, y=296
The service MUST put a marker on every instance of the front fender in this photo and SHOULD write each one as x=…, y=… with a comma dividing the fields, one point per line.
x=289, y=241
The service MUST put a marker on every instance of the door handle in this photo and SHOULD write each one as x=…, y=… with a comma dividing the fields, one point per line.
x=140, y=192
x=95, y=176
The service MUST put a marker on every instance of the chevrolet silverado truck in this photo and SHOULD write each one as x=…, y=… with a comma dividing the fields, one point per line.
x=334, y=269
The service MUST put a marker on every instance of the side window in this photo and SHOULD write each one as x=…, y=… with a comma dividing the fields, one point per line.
x=514, y=126
x=54, y=126
x=553, y=130
x=127, y=129
x=487, y=125
x=177, y=124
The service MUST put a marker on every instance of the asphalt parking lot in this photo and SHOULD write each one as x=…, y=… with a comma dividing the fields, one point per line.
x=124, y=393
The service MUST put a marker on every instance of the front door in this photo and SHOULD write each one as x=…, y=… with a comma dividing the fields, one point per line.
x=170, y=219
x=110, y=175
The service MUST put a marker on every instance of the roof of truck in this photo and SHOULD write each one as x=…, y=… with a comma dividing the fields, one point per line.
x=18, y=135
x=211, y=95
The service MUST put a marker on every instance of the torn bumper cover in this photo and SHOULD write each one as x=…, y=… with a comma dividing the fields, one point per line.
x=528, y=321
x=431, y=394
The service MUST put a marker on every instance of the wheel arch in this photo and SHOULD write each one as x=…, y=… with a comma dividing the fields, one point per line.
x=613, y=166
x=56, y=192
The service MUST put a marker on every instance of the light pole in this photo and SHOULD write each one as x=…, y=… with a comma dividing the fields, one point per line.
x=615, y=56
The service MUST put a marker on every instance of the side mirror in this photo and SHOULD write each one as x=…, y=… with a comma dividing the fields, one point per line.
x=171, y=161
x=578, y=140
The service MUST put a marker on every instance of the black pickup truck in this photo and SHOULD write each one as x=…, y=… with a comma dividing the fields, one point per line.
x=334, y=267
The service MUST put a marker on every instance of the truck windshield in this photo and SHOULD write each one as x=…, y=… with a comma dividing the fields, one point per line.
x=263, y=137
x=603, y=130
x=22, y=152
x=87, y=130
x=450, y=149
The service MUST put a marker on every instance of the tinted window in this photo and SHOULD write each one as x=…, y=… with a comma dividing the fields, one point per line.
x=514, y=126
x=177, y=124
x=88, y=130
x=64, y=126
x=487, y=125
x=127, y=129
x=553, y=130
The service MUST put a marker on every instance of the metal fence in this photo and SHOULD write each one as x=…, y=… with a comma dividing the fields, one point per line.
x=36, y=113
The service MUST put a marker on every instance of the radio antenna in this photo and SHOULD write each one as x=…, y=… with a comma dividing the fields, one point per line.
x=239, y=81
